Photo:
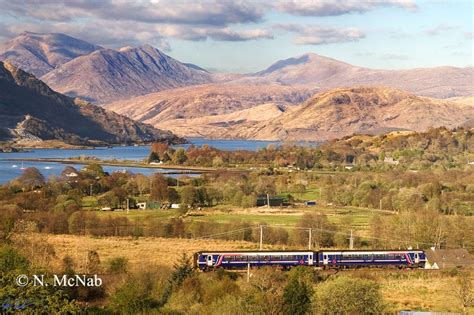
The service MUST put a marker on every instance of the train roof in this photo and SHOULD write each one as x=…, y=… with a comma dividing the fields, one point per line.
x=310, y=251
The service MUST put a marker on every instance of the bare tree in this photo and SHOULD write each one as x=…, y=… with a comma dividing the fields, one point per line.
x=465, y=291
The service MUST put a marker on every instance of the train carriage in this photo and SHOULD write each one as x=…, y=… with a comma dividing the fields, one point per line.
x=378, y=258
x=207, y=260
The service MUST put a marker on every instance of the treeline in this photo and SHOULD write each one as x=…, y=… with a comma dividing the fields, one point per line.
x=438, y=148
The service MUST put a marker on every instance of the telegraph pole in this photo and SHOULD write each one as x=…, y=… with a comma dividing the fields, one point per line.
x=248, y=271
x=128, y=205
x=351, y=242
x=268, y=200
x=309, y=242
x=261, y=237
x=380, y=204
x=90, y=190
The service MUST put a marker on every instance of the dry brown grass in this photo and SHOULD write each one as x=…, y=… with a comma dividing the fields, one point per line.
x=402, y=290
x=139, y=251
x=434, y=293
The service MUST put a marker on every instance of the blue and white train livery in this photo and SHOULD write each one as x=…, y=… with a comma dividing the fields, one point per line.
x=208, y=260
x=352, y=258
x=242, y=259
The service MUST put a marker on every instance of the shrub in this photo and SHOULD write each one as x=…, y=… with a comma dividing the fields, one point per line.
x=118, y=265
x=346, y=295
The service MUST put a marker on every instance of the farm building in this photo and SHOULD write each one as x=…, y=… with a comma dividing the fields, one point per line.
x=274, y=201
x=450, y=258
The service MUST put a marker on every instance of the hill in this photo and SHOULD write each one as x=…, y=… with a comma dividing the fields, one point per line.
x=369, y=110
x=107, y=75
x=327, y=115
x=30, y=110
x=39, y=54
x=206, y=100
x=326, y=73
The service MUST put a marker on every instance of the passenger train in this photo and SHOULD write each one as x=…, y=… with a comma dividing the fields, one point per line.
x=325, y=259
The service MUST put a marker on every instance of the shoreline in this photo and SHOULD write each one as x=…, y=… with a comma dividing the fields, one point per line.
x=196, y=169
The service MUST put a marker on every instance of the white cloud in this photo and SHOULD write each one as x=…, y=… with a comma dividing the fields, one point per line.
x=319, y=35
x=338, y=7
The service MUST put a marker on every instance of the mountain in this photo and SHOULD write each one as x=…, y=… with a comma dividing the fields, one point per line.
x=327, y=115
x=206, y=100
x=368, y=110
x=225, y=126
x=326, y=73
x=38, y=53
x=107, y=75
x=30, y=110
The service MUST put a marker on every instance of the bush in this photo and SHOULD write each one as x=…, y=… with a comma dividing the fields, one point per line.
x=118, y=265
x=296, y=297
x=346, y=295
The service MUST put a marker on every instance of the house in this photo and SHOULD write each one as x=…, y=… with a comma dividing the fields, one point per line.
x=175, y=206
x=450, y=258
x=141, y=205
x=273, y=201
x=71, y=174
x=310, y=203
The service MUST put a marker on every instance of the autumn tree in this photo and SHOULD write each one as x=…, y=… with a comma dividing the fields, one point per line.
x=31, y=178
x=159, y=188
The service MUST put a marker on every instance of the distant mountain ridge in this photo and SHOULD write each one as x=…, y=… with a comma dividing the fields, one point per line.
x=327, y=73
x=324, y=116
x=107, y=75
x=360, y=110
x=38, y=53
x=30, y=110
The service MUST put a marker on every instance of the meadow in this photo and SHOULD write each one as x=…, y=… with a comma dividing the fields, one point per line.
x=401, y=290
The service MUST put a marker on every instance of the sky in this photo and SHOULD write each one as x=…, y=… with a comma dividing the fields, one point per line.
x=247, y=36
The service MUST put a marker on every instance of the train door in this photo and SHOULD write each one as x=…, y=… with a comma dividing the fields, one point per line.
x=310, y=259
x=417, y=258
x=325, y=259
x=209, y=260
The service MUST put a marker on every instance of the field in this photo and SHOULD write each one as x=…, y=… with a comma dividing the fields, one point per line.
x=138, y=251
x=343, y=217
x=402, y=290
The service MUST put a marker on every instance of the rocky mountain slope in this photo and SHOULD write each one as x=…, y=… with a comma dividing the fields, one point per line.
x=369, y=110
x=39, y=54
x=30, y=110
x=326, y=73
x=207, y=100
x=327, y=115
x=107, y=75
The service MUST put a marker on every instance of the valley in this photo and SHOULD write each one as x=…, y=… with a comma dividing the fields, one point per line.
x=122, y=160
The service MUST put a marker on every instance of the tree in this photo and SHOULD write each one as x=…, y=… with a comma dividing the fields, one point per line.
x=346, y=295
x=296, y=297
x=180, y=156
x=159, y=188
x=321, y=236
x=153, y=157
x=94, y=170
x=188, y=195
x=465, y=291
x=31, y=178
x=29, y=299
x=143, y=183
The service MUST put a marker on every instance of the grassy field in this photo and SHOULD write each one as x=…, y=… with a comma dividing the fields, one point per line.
x=354, y=218
x=402, y=290
x=138, y=251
